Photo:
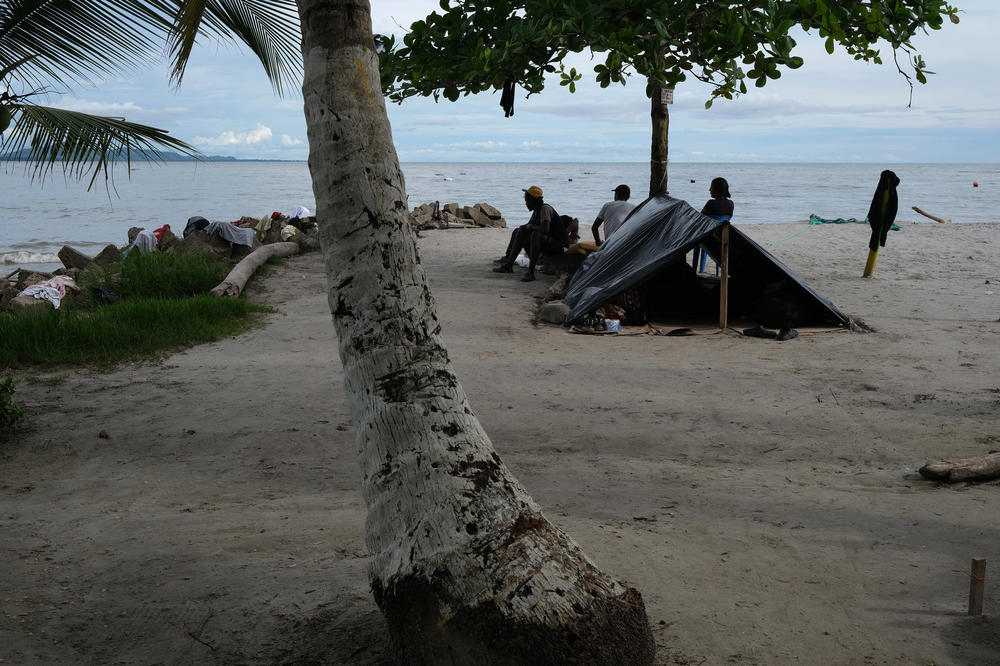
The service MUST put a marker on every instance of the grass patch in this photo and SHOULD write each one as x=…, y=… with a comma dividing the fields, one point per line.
x=153, y=275
x=10, y=413
x=128, y=330
x=162, y=305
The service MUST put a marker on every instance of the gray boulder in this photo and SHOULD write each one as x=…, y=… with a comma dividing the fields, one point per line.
x=109, y=255
x=73, y=258
x=27, y=278
x=492, y=212
x=555, y=312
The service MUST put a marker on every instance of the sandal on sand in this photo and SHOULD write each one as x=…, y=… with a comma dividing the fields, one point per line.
x=503, y=268
x=787, y=334
x=759, y=331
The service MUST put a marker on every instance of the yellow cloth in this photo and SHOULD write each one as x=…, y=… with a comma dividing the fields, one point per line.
x=583, y=247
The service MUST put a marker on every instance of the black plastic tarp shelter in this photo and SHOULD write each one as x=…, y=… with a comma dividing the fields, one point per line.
x=657, y=236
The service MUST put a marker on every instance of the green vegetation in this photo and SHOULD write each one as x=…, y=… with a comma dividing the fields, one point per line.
x=158, y=275
x=162, y=307
x=127, y=330
x=464, y=48
x=10, y=413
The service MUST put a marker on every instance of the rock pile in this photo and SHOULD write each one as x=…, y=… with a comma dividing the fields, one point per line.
x=452, y=216
x=268, y=229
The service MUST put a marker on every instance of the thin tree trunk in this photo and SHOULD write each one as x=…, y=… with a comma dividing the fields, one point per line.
x=660, y=117
x=464, y=565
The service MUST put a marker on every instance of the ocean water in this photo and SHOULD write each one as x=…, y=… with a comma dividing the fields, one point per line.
x=39, y=218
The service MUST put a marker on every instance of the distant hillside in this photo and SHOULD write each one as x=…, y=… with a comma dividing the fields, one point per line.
x=153, y=156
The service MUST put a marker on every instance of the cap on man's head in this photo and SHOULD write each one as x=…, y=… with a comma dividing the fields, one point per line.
x=534, y=192
x=623, y=191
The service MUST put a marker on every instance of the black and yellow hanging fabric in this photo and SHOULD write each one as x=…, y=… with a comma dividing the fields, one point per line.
x=881, y=215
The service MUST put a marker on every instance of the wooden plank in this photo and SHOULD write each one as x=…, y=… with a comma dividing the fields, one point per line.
x=724, y=281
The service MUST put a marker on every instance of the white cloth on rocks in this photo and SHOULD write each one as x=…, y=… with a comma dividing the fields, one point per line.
x=145, y=241
x=237, y=235
x=53, y=290
x=301, y=212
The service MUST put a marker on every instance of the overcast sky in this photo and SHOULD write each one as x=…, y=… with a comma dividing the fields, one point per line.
x=833, y=109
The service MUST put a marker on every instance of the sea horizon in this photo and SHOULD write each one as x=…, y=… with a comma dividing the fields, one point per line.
x=42, y=216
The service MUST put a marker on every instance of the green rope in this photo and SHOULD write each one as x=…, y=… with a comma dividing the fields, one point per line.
x=787, y=238
x=816, y=219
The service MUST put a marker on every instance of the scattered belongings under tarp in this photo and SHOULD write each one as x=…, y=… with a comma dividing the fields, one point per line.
x=642, y=268
x=452, y=216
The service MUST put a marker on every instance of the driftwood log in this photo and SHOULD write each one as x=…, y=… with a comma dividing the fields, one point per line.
x=933, y=217
x=243, y=271
x=981, y=468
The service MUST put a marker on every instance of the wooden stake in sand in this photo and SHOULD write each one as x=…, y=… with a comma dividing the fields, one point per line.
x=933, y=217
x=977, y=583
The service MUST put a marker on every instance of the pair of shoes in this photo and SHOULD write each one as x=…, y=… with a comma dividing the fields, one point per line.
x=503, y=268
x=528, y=277
x=787, y=334
x=759, y=331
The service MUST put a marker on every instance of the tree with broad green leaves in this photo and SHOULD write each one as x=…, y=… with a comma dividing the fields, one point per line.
x=472, y=46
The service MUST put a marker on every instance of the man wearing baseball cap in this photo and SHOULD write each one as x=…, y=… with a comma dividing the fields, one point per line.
x=544, y=233
x=613, y=213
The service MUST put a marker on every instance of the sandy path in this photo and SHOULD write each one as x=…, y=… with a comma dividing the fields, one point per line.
x=761, y=495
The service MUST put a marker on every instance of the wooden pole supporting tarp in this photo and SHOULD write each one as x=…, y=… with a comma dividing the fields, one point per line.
x=724, y=280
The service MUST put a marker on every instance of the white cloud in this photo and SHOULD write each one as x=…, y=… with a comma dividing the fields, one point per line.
x=288, y=141
x=258, y=135
x=98, y=108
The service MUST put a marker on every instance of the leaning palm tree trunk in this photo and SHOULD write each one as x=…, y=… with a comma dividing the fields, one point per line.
x=464, y=565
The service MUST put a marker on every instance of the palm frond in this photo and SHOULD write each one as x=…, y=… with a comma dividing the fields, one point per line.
x=82, y=142
x=62, y=41
x=269, y=28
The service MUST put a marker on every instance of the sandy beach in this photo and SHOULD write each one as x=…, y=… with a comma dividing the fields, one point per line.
x=761, y=495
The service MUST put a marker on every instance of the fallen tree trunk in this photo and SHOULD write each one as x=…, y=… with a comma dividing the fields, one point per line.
x=933, y=217
x=981, y=468
x=243, y=271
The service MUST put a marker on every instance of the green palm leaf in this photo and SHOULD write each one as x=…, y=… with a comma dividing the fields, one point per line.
x=82, y=142
x=71, y=40
x=269, y=28
x=46, y=42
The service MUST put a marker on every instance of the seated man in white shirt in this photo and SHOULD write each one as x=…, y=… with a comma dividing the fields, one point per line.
x=613, y=213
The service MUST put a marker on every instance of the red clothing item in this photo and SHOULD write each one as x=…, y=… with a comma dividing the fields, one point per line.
x=159, y=232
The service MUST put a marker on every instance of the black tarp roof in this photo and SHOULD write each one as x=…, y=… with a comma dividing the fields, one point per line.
x=660, y=232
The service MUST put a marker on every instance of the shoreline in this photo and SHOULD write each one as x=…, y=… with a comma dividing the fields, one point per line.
x=761, y=495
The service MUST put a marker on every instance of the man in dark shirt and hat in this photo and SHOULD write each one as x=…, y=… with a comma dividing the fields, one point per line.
x=544, y=233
